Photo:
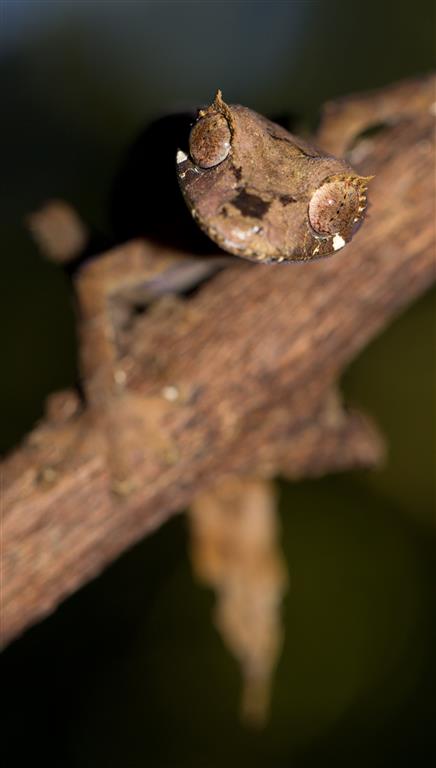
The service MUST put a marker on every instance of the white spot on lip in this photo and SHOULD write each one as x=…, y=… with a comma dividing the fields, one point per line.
x=338, y=242
x=170, y=393
x=181, y=157
x=243, y=234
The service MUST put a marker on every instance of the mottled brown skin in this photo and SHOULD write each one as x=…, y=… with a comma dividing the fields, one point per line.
x=261, y=193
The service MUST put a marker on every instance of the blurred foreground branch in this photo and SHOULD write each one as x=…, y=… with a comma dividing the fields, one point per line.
x=240, y=377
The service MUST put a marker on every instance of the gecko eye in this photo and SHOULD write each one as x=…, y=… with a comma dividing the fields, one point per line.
x=209, y=140
x=337, y=205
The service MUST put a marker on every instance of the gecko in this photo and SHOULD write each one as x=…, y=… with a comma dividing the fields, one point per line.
x=259, y=194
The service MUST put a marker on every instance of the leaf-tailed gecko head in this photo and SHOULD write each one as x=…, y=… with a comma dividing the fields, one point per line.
x=264, y=194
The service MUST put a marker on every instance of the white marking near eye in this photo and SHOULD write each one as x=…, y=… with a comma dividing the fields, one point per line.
x=338, y=242
x=181, y=157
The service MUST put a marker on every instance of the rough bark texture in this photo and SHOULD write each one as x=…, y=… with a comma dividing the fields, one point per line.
x=239, y=377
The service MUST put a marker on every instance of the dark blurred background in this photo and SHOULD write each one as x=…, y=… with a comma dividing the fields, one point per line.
x=130, y=671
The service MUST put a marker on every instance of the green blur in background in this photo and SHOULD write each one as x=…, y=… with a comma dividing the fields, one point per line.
x=130, y=671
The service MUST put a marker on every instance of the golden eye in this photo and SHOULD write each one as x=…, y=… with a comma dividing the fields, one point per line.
x=209, y=140
x=336, y=205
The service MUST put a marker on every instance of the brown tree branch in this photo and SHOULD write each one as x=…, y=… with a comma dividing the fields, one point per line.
x=237, y=378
